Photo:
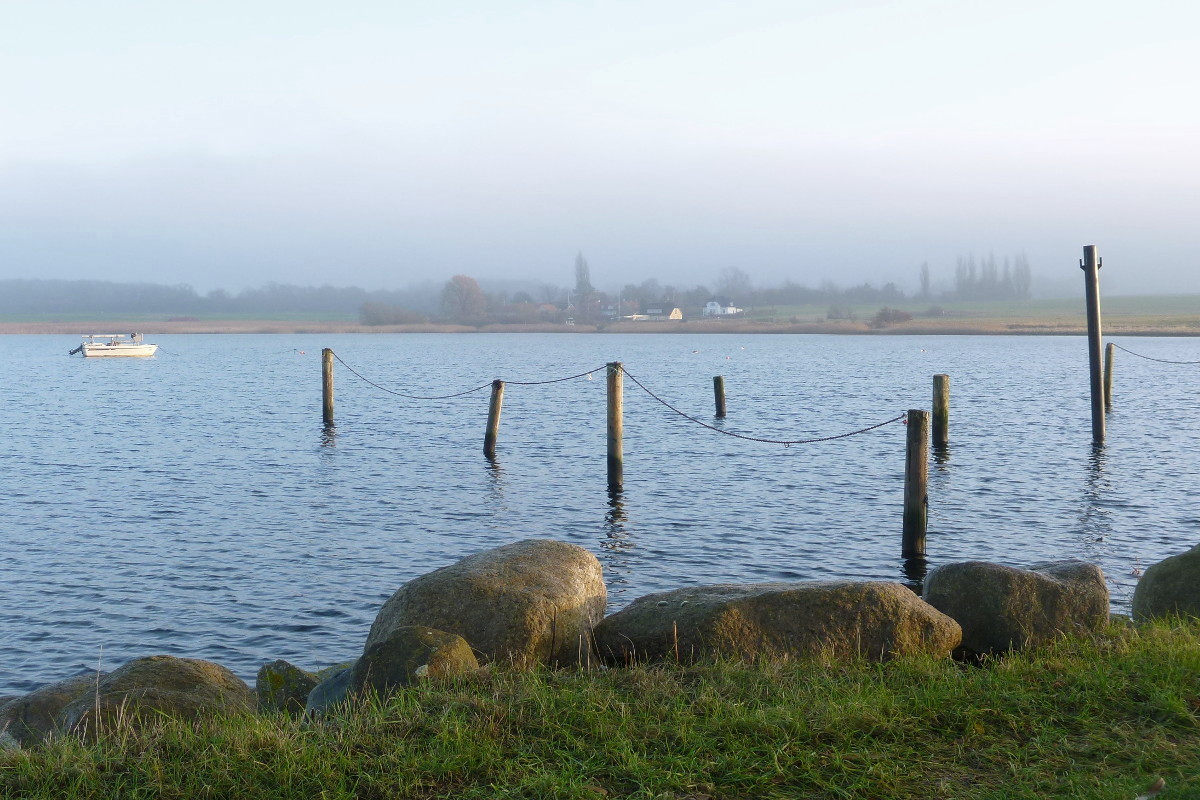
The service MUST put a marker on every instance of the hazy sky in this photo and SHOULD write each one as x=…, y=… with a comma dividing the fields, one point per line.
x=227, y=144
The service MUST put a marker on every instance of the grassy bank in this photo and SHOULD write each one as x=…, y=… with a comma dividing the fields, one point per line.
x=1096, y=718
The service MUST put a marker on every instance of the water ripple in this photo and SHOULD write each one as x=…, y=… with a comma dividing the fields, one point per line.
x=196, y=506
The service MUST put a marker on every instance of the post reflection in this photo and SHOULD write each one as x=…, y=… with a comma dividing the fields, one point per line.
x=495, y=478
x=617, y=546
x=615, y=520
x=329, y=435
x=914, y=571
x=941, y=457
x=1095, y=520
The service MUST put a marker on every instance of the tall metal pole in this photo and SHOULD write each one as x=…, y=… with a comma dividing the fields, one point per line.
x=1091, y=266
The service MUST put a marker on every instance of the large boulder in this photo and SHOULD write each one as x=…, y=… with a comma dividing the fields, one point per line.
x=529, y=602
x=33, y=718
x=281, y=686
x=147, y=687
x=1170, y=587
x=1003, y=608
x=873, y=619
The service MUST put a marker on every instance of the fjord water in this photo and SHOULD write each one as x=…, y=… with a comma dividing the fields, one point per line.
x=193, y=503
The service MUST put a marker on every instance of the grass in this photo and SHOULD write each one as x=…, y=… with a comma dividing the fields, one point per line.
x=1089, y=718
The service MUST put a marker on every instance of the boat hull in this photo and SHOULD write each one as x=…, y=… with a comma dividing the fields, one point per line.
x=119, y=350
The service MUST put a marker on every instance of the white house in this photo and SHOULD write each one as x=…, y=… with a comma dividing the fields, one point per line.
x=718, y=308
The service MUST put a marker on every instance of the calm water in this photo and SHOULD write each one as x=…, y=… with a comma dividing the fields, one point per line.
x=193, y=504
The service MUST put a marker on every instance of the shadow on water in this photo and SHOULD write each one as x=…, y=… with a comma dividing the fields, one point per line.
x=329, y=435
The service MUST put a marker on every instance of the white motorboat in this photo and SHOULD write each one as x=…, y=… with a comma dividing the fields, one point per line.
x=108, y=345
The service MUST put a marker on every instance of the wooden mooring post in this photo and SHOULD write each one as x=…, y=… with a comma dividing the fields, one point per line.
x=916, y=480
x=327, y=385
x=719, y=394
x=1108, y=373
x=941, y=411
x=1090, y=264
x=493, y=420
x=616, y=427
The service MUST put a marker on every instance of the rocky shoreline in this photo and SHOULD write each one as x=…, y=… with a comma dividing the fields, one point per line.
x=540, y=603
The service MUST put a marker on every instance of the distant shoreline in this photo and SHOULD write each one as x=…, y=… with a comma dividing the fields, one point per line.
x=938, y=327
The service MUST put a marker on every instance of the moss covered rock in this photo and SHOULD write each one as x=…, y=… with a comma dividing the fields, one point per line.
x=156, y=685
x=410, y=654
x=872, y=619
x=281, y=686
x=32, y=718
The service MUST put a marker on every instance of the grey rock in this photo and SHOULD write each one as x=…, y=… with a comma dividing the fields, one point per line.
x=8, y=743
x=529, y=602
x=1002, y=608
x=281, y=686
x=873, y=619
x=1169, y=588
x=331, y=692
x=328, y=672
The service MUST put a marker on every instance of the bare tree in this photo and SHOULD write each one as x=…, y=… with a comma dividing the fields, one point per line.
x=463, y=300
x=734, y=284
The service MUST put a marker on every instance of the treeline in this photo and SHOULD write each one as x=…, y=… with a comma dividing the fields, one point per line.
x=464, y=300
x=25, y=297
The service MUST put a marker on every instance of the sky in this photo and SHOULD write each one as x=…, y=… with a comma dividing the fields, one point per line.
x=228, y=145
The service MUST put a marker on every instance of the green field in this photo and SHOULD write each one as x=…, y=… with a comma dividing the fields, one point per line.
x=1165, y=314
